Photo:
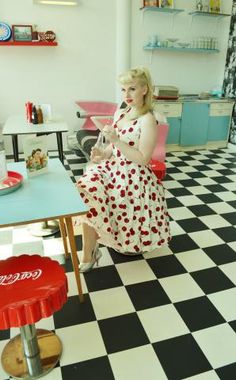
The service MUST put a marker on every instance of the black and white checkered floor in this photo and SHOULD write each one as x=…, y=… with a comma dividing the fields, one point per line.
x=170, y=314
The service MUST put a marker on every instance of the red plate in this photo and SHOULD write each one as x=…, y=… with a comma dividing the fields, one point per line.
x=11, y=183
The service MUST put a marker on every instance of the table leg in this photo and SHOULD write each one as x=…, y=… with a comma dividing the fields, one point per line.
x=64, y=237
x=15, y=147
x=74, y=257
x=60, y=146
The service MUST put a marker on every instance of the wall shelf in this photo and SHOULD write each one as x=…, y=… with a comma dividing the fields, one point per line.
x=186, y=50
x=27, y=43
x=208, y=14
x=163, y=10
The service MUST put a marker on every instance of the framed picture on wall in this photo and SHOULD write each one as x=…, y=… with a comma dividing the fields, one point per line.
x=166, y=3
x=22, y=32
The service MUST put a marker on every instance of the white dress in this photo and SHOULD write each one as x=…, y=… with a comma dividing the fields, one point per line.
x=126, y=201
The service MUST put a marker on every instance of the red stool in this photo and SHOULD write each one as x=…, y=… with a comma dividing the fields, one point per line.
x=32, y=288
x=159, y=168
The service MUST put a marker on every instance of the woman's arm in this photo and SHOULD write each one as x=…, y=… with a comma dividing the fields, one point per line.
x=108, y=152
x=147, y=143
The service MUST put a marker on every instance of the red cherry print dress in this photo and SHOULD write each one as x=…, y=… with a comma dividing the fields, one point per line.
x=126, y=201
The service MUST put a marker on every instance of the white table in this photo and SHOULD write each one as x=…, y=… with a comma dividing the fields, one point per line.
x=17, y=125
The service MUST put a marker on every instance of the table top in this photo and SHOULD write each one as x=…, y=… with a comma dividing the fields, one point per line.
x=17, y=125
x=47, y=196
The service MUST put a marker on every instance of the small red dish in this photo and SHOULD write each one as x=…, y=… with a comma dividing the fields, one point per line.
x=11, y=183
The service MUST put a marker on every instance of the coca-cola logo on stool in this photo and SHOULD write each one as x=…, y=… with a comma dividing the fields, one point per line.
x=8, y=279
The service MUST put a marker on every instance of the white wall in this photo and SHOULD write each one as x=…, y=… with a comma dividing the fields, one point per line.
x=83, y=65
x=191, y=72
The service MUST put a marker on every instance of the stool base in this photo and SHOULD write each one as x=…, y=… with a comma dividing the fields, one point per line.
x=44, y=228
x=14, y=362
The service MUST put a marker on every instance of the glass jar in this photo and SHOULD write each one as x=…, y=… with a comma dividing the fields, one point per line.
x=3, y=163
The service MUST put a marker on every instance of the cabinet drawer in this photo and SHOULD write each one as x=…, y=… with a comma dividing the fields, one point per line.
x=169, y=109
x=221, y=109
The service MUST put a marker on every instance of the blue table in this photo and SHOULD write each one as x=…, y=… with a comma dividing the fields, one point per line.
x=51, y=195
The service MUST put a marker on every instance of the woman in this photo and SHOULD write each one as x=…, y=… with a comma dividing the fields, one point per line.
x=127, y=207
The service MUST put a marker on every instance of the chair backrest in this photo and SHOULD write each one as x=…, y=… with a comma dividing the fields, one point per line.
x=157, y=163
x=94, y=108
x=159, y=153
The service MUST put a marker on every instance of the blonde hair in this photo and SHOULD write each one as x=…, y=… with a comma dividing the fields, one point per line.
x=142, y=75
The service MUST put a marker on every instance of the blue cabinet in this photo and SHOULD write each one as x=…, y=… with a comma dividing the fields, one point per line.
x=174, y=130
x=218, y=128
x=194, y=125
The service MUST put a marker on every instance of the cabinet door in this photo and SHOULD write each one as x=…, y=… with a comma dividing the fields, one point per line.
x=194, y=125
x=218, y=128
x=174, y=130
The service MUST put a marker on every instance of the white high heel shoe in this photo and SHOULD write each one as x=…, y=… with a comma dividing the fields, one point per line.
x=96, y=255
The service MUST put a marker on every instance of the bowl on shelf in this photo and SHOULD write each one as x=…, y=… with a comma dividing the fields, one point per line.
x=183, y=44
x=172, y=41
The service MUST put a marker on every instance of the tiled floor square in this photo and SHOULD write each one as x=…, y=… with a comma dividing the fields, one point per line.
x=192, y=225
x=169, y=323
x=195, y=260
x=6, y=235
x=218, y=343
x=77, y=346
x=173, y=203
x=189, y=311
x=111, y=302
x=206, y=238
x=74, y=312
x=176, y=228
x=201, y=210
x=180, y=192
x=227, y=196
x=31, y=248
x=222, y=207
x=102, y=278
x=214, y=221
x=226, y=233
x=181, y=287
x=230, y=217
x=166, y=266
x=209, y=198
x=191, y=200
x=98, y=368
x=137, y=364
x=180, y=213
x=196, y=190
x=227, y=372
x=230, y=271
x=147, y=294
x=212, y=280
x=182, y=243
x=224, y=302
x=221, y=254
x=135, y=272
x=122, y=333
x=187, y=359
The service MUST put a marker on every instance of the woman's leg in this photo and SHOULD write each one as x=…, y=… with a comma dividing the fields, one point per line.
x=90, y=237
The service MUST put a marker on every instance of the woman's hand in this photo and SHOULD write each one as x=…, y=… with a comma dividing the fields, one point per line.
x=110, y=133
x=97, y=155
